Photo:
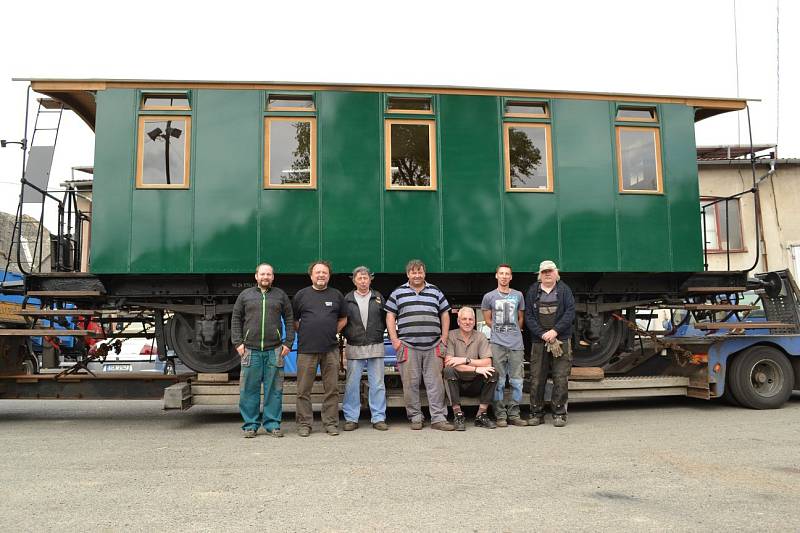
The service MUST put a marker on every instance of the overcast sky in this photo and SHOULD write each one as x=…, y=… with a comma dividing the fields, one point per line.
x=680, y=47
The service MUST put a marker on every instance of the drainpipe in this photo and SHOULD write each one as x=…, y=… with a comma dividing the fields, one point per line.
x=762, y=244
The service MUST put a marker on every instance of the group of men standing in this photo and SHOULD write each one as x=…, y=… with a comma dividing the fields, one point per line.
x=416, y=315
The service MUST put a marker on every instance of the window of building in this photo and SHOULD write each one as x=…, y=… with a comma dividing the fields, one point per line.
x=528, y=157
x=639, y=160
x=526, y=109
x=409, y=104
x=163, y=152
x=290, y=152
x=636, y=114
x=165, y=101
x=290, y=102
x=722, y=223
x=410, y=154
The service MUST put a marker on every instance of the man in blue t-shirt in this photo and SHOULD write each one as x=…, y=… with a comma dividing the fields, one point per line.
x=503, y=312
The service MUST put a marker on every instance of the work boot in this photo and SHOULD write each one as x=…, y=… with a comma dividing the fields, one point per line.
x=350, y=426
x=536, y=421
x=444, y=425
x=380, y=425
x=517, y=422
x=416, y=425
x=459, y=422
x=304, y=431
x=332, y=430
x=559, y=421
x=249, y=433
x=483, y=421
x=502, y=422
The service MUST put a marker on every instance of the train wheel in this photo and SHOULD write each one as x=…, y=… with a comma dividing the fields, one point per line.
x=600, y=351
x=761, y=377
x=30, y=365
x=200, y=357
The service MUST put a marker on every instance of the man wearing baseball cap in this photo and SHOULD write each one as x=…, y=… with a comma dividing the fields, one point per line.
x=549, y=313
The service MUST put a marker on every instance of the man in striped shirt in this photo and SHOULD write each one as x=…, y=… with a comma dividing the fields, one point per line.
x=418, y=322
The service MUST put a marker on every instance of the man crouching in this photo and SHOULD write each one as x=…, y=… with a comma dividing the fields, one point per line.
x=468, y=370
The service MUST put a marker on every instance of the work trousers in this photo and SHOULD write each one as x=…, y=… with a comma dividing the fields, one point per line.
x=508, y=364
x=542, y=363
x=306, y=373
x=261, y=367
x=415, y=367
x=469, y=384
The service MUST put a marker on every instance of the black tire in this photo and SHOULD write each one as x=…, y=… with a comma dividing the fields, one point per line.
x=761, y=377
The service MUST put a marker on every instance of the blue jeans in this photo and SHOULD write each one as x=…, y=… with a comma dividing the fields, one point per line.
x=351, y=406
x=262, y=367
x=508, y=364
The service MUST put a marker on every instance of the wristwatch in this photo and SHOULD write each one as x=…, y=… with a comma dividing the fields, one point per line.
x=467, y=361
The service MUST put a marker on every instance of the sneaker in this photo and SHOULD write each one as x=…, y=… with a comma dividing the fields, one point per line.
x=559, y=421
x=332, y=430
x=304, y=431
x=459, y=422
x=502, y=422
x=517, y=422
x=536, y=421
x=444, y=425
x=274, y=432
x=483, y=421
x=416, y=425
x=249, y=433
x=350, y=426
x=380, y=426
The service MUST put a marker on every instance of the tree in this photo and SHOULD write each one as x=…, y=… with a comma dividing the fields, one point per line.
x=411, y=164
x=524, y=157
x=301, y=164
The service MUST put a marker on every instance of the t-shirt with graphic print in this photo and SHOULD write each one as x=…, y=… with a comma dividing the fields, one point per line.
x=505, y=309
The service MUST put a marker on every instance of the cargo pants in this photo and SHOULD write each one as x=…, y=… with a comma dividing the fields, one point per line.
x=543, y=363
x=417, y=366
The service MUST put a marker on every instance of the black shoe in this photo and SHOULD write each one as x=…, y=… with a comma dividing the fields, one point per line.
x=536, y=421
x=559, y=421
x=483, y=421
x=460, y=422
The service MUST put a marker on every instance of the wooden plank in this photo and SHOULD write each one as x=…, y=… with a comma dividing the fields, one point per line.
x=743, y=325
x=52, y=332
x=177, y=396
x=58, y=312
x=212, y=378
x=718, y=307
x=586, y=373
x=229, y=399
x=716, y=290
x=65, y=294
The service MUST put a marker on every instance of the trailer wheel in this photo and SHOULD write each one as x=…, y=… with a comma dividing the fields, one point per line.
x=761, y=377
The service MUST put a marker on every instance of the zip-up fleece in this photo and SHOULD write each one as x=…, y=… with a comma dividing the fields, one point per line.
x=256, y=319
x=355, y=332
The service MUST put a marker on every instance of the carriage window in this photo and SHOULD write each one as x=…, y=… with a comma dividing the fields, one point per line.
x=290, y=152
x=639, y=160
x=526, y=109
x=290, y=102
x=528, y=157
x=637, y=114
x=163, y=153
x=409, y=104
x=411, y=154
x=165, y=102
x=722, y=225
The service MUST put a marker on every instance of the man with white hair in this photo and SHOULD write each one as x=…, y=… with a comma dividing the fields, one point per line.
x=549, y=313
x=366, y=322
x=468, y=370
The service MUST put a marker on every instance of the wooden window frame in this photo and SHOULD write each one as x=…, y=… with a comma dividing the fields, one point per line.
x=652, y=120
x=187, y=151
x=507, y=155
x=431, y=123
x=146, y=95
x=288, y=96
x=659, y=163
x=313, y=145
x=543, y=103
x=389, y=111
x=716, y=207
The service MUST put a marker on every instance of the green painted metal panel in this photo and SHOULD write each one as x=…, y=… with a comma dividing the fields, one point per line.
x=680, y=164
x=114, y=168
x=471, y=181
x=289, y=229
x=644, y=233
x=350, y=180
x=161, y=231
x=585, y=184
x=531, y=229
x=411, y=229
x=226, y=180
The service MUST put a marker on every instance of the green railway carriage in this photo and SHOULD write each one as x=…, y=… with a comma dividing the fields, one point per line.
x=197, y=182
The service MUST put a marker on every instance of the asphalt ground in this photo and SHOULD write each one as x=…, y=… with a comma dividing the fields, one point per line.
x=644, y=465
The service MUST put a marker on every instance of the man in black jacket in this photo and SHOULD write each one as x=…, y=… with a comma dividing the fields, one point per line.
x=366, y=322
x=256, y=333
x=549, y=313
